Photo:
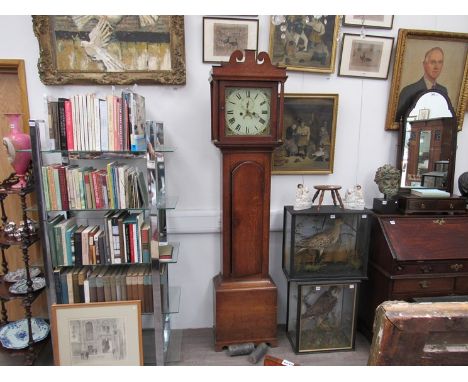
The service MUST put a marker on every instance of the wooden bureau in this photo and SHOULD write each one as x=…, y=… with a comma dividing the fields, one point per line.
x=414, y=256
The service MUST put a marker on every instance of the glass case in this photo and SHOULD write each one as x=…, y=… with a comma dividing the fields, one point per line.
x=322, y=317
x=330, y=243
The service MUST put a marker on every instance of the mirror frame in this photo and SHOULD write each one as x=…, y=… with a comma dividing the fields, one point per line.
x=448, y=121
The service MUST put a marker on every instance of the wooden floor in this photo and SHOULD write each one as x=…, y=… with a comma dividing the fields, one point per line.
x=196, y=349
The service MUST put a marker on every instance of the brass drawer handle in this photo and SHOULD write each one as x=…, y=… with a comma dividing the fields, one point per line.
x=456, y=267
x=424, y=284
x=451, y=206
x=423, y=205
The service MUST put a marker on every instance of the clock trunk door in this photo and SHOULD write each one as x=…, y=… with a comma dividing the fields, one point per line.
x=248, y=223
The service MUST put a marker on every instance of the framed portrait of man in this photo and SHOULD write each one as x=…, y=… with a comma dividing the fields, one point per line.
x=428, y=60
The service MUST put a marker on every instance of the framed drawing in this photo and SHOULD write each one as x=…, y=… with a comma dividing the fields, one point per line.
x=371, y=21
x=222, y=36
x=365, y=57
x=309, y=135
x=304, y=43
x=113, y=49
x=426, y=59
x=97, y=334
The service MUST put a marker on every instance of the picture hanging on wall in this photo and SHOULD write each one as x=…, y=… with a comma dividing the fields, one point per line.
x=304, y=43
x=365, y=57
x=222, y=36
x=371, y=21
x=309, y=135
x=438, y=57
x=117, y=50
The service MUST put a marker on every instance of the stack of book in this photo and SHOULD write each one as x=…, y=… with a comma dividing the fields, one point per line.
x=87, y=122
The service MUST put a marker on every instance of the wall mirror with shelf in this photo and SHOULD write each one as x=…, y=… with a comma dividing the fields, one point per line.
x=428, y=142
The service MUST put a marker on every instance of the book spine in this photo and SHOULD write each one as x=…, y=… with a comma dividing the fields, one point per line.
x=69, y=124
x=63, y=187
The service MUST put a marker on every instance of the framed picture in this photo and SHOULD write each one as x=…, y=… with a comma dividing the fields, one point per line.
x=428, y=59
x=112, y=49
x=423, y=114
x=222, y=36
x=308, y=136
x=365, y=57
x=97, y=334
x=371, y=21
x=304, y=43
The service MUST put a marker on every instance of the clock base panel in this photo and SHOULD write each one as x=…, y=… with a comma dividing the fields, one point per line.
x=245, y=311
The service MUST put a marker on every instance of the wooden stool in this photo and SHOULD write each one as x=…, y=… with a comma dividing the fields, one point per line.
x=334, y=193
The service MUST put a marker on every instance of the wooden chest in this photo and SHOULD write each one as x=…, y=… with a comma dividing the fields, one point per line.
x=414, y=256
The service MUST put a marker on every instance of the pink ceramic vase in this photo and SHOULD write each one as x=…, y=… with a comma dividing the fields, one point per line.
x=17, y=140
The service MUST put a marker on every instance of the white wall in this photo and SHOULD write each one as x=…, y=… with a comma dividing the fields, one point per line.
x=193, y=171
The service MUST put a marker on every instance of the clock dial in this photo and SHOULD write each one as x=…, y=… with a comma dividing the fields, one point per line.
x=247, y=111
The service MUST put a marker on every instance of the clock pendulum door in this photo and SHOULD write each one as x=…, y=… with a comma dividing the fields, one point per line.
x=245, y=296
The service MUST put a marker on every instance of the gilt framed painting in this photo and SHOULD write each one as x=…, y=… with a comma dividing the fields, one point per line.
x=308, y=136
x=112, y=49
x=304, y=43
x=428, y=60
x=97, y=334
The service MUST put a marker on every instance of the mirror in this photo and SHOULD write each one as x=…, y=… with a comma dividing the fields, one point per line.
x=428, y=143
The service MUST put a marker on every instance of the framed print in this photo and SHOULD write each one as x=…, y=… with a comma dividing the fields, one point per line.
x=423, y=114
x=371, y=21
x=428, y=59
x=116, y=50
x=365, y=57
x=97, y=334
x=309, y=135
x=304, y=43
x=222, y=36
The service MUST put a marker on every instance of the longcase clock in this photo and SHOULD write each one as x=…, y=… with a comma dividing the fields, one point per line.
x=247, y=96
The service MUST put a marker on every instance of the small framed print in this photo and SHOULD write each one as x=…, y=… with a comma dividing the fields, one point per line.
x=423, y=114
x=371, y=21
x=97, y=334
x=222, y=36
x=365, y=57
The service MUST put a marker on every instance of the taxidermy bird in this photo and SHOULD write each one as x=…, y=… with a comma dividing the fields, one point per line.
x=322, y=307
x=320, y=241
x=96, y=46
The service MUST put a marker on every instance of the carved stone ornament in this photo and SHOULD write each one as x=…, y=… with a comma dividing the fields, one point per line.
x=111, y=50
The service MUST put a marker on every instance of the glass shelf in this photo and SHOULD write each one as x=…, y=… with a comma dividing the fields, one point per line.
x=175, y=253
x=164, y=202
x=100, y=209
x=174, y=301
x=158, y=149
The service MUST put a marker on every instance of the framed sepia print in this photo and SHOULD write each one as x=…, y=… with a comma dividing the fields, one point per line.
x=117, y=50
x=222, y=36
x=97, y=334
x=365, y=57
x=308, y=136
x=427, y=59
x=371, y=21
x=304, y=43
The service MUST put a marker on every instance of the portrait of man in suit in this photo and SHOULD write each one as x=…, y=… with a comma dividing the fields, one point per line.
x=432, y=64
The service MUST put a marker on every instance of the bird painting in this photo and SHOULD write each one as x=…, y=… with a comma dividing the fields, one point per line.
x=320, y=241
x=100, y=36
x=322, y=310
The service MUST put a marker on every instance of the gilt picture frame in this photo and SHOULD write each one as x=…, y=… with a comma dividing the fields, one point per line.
x=308, y=135
x=370, y=21
x=111, y=50
x=97, y=334
x=408, y=70
x=222, y=36
x=365, y=57
x=305, y=43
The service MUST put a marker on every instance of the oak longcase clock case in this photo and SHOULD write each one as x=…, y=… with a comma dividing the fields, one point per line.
x=247, y=106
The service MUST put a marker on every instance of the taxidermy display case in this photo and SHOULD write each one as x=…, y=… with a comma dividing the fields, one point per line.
x=330, y=243
x=322, y=317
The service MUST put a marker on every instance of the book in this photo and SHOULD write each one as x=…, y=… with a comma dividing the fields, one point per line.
x=430, y=193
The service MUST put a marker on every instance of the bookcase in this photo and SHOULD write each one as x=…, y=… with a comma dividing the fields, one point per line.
x=102, y=217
